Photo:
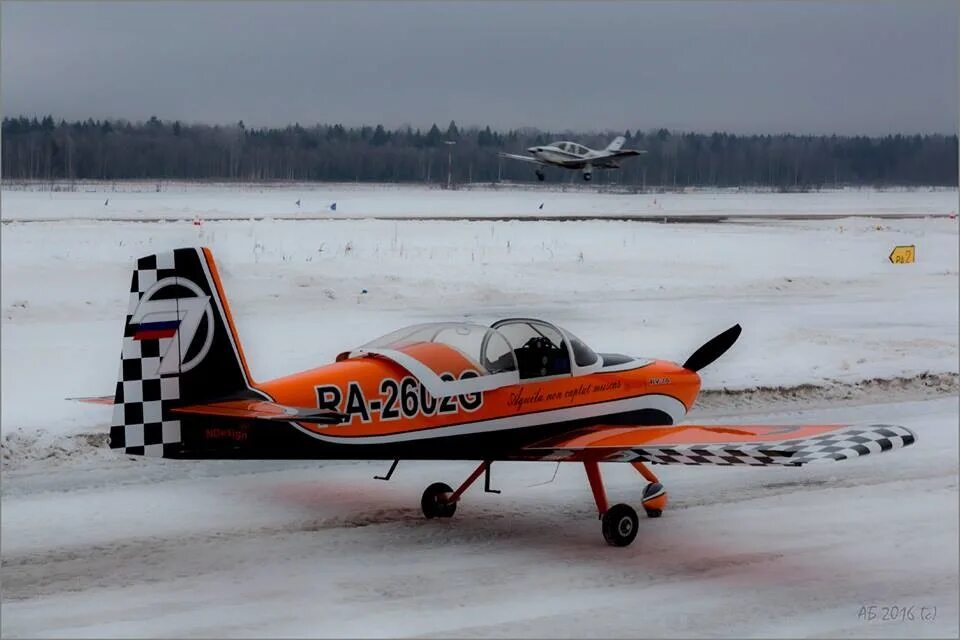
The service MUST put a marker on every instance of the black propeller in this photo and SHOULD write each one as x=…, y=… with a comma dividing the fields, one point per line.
x=712, y=349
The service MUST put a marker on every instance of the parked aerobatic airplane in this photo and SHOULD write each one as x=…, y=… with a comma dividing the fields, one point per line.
x=570, y=155
x=520, y=389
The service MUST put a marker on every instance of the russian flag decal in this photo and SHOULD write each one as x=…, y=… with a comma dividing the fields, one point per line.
x=156, y=330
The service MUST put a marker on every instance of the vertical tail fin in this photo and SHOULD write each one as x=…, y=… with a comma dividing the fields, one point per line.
x=179, y=347
x=616, y=144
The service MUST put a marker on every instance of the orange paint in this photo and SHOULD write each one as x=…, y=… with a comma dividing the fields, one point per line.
x=369, y=375
x=605, y=437
x=596, y=485
x=212, y=265
x=645, y=472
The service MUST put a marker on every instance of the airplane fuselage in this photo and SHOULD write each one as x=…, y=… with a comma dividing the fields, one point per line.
x=558, y=157
x=391, y=415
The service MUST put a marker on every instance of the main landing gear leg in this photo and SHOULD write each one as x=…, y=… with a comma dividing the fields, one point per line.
x=654, y=495
x=440, y=501
x=619, y=522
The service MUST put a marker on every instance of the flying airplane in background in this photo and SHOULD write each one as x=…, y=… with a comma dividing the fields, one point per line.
x=570, y=155
x=519, y=389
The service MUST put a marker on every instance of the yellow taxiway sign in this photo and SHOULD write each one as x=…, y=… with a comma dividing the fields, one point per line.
x=903, y=254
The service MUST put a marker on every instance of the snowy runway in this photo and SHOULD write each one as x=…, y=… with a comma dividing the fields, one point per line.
x=302, y=549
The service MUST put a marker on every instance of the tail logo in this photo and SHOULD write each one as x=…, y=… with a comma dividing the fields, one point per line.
x=174, y=320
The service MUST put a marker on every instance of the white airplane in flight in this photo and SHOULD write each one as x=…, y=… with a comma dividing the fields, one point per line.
x=570, y=155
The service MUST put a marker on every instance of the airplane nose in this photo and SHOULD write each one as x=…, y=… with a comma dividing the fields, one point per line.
x=533, y=149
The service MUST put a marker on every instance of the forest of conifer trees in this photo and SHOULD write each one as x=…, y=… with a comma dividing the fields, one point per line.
x=45, y=149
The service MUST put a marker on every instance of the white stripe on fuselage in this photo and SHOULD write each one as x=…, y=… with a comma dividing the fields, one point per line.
x=669, y=405
x=558, y=156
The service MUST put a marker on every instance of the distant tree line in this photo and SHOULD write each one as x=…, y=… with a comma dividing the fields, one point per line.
x=117, y=149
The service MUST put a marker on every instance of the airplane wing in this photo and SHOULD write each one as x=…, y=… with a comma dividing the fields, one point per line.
x=514, y=156
x=724, y=445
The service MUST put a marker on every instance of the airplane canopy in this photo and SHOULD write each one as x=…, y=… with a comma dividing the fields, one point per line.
x=448, y=358
x=452, y=358
x=480, y=347
x=570, y=147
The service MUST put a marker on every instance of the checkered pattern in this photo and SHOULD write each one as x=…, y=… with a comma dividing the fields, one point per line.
x=139, y=426
x=838, y=445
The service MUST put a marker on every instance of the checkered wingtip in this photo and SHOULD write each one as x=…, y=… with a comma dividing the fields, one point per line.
x=843, y=444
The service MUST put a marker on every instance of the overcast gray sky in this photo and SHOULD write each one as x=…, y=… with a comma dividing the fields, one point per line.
x=802, y=66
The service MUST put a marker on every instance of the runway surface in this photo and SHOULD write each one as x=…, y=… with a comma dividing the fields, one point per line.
x=112, y=547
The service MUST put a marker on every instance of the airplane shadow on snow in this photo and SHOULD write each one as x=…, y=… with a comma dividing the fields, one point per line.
x=664, y=548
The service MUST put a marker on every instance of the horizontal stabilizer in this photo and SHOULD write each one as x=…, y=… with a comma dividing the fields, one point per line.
x=94, y=399
x=724, y=445
x=255, y=409
x=625, y=153
x=263, y=410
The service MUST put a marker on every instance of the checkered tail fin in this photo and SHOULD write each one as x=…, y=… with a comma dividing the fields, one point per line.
x=179, y=347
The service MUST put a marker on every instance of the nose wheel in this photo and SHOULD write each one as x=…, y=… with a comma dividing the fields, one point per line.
x=654, y=495
x=540, y=175
x=654, y=499
x=620, y=522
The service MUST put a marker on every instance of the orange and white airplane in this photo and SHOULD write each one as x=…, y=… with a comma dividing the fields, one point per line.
x=520, y=389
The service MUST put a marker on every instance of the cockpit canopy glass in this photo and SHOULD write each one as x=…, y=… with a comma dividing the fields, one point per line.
x=571, y=147
x=583, y=355
x=539, y=348
x=526, y=347
x=463, y=345
x=542, y=349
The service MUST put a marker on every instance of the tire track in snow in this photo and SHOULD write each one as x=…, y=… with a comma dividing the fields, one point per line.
x=151, y=559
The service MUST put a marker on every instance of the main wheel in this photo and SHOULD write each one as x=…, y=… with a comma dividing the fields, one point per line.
x=434, y=504
x=620, y=524
x=587, y=177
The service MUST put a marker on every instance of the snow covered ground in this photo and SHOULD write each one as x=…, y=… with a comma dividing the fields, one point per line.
x=97, y=545
x=140, y=201
x=818, y=300
x=215, y=549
